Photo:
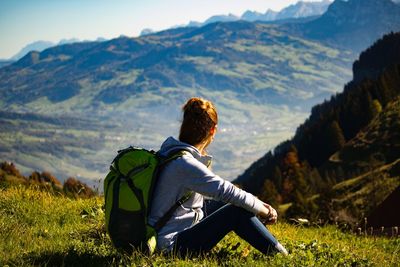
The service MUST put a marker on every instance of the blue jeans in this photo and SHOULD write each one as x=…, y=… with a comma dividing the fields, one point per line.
x=203, y=236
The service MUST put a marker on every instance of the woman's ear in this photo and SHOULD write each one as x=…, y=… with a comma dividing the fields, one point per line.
x=213, y=130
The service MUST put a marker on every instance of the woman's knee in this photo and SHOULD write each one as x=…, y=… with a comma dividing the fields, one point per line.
x=237, y=212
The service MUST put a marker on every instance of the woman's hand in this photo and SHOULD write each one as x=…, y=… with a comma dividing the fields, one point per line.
x=268, y=214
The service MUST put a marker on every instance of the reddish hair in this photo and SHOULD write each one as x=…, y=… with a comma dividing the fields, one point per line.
x=199, y=117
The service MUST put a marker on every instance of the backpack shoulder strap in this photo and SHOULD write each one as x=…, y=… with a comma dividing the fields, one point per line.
x=165, y=218
x=172, y=156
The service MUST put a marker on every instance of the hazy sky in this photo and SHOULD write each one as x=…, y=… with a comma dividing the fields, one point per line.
x=26, y=21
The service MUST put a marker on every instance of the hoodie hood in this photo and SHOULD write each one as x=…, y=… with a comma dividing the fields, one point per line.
x=171, y=145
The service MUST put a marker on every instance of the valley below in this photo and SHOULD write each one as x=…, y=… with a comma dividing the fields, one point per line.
x=84, y=146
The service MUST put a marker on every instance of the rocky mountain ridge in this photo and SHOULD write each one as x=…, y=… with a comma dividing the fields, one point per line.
x=354, y=24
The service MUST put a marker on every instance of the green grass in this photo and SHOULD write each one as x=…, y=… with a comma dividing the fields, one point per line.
x=39, y=228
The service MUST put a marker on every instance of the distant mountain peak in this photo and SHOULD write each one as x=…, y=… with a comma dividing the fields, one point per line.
x=146, y=31
x=299, y=10
x=35, y=46
x=222, y=18
x=41, y=45
x=304, y=9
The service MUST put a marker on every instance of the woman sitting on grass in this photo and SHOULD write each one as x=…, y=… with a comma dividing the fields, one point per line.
x=187, y=231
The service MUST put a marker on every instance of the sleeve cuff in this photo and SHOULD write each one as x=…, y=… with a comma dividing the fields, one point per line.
x=257, y=206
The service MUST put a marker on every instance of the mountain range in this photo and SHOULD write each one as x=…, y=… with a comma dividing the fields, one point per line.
x=253, y=60
x=299, y=10
x=42, y=45
x=263, y=76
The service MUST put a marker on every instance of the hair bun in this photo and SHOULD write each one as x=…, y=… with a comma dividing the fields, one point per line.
x=199, y=116
x=196, y=105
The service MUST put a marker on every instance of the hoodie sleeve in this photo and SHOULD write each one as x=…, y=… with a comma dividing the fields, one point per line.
x=197, y=177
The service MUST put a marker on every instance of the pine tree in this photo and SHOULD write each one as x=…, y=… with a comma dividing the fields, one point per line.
x=368, y=107
x=372, y=106
x=277, y=178
x=335, y=139
x=376, y=107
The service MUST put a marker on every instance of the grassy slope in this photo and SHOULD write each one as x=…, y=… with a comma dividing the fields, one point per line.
x=378, y=141
x=364, y=192
x=43, y=229
x=376, y=147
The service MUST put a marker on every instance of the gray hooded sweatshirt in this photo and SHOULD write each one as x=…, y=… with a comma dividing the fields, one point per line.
x=189, y=173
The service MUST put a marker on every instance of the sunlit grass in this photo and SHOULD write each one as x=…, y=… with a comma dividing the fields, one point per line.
x=39, y=228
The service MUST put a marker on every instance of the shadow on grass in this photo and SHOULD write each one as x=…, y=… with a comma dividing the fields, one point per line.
x=70, y=257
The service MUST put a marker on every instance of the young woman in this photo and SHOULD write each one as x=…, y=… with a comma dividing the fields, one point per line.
x=187, y=231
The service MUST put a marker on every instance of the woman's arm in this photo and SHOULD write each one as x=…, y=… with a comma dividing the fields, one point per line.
x=200, y=179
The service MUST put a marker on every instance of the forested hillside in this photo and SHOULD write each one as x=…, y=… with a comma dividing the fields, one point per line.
x=361, y=125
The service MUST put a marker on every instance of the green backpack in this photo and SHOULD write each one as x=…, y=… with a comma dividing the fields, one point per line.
x=128, y=190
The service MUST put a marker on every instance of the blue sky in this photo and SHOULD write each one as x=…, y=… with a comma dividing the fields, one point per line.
x=26, y=21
